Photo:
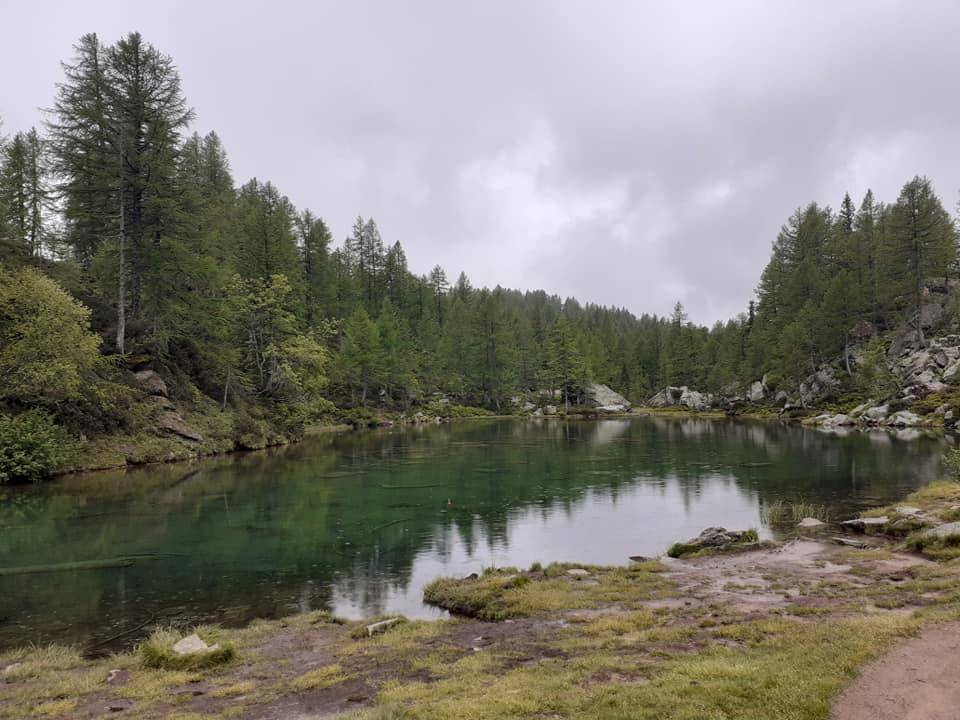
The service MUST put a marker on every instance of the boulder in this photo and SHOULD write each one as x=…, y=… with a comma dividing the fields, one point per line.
x=695, y=400
x=838, y=420
x=529, y=407
x=876, y=413
x=550, y=410
x=944, y=531
x=716, y=537
x=861, y=409
x=150, y=382
x=903, y=418
x=578, y=572
x=667, y=397
x=601, y=396
x=931, y=314
x=757, y=392
x=952, y=373
x=819, y=385
x=809, y=523
x=193, y=644
x=173, y=423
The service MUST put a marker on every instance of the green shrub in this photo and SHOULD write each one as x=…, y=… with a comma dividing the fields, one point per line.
x=32, y=447
x=951, y=461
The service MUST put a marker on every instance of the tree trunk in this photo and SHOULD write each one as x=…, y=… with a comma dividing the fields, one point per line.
x=121, y=284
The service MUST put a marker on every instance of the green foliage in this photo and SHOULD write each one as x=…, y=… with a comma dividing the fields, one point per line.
x=47, y=352
x=873, y=377
x=32, y=447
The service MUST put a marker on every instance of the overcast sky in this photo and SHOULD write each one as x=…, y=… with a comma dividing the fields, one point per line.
x=629, y=154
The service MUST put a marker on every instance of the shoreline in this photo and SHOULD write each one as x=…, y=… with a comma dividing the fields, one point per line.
x=801, y=617
x=321, y=429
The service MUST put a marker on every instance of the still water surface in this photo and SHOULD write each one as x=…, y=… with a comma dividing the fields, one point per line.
x=358, y=523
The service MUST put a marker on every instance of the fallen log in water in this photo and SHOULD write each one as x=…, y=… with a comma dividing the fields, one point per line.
x=117, y=562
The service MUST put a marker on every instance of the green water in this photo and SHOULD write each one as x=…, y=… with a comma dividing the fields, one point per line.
x=358, y=523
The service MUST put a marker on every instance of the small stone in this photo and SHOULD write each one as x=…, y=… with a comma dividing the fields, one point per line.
x=115, y=677
x=382, y=626
x=193, y=644
x=849, y=543
x=809, y=522
x=578, y=572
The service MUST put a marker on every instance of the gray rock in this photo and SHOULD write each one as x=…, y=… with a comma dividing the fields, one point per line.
x=151, y=383
x=944, y=531
x=695, y=400
x=849, y=542
x=838, y=420
x=904, y=418
x=578, y=572
x=876, y=413
x=810, y=523
x=601, y=396
x=173, y=423
x=612, y=409
x=193, y=644
x=952, y=373
x=757, y=392
x=930, y=315
x=529, y=407
x=716, y=537
x=908, y=510
x=667, y=397
x=862, y=524
x=819, y=385
x=382, y=626
x=861, y=409
x=550, y=410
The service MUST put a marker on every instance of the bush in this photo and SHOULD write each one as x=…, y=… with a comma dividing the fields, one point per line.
x=47, y=352
x=32, y=447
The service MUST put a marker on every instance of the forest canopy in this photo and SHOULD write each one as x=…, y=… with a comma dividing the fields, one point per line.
x=120, y=218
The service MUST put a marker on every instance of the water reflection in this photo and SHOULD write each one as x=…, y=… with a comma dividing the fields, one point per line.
x=358, y=523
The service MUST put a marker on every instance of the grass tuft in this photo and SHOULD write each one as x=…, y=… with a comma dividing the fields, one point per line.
x=157, y=651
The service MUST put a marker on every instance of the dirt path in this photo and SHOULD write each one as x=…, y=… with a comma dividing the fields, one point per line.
x=918, y=680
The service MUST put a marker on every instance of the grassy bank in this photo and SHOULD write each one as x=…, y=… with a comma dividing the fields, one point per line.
x=763, y=634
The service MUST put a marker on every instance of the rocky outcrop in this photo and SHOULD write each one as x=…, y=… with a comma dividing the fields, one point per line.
x=151, y=383
x=668, y=397
x=716, y=538
x=682, y=397
x=176, y=425
x=820, y=385
x=604, y=399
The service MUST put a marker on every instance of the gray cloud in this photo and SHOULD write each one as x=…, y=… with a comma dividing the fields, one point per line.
x=624, y=153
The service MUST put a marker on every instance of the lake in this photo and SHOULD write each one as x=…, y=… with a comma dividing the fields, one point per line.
x=357, y=523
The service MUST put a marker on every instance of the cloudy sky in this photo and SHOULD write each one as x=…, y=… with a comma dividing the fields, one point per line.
x=627, y=153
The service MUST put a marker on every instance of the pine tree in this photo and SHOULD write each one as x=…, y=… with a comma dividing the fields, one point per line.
x=314, y=241
x=358, y=365
x=565, y=365
x=24, y=192
x=923, y=240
